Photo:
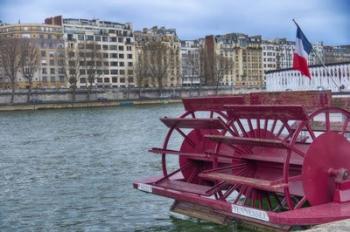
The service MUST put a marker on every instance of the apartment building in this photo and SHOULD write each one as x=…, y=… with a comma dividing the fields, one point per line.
x=320, y=54
x=158, y=57
x=270, y=52
x=49, y=40
x=244, y=55
x=336, y=54
x=278, y=54
x=190, y=62
x=104, y=51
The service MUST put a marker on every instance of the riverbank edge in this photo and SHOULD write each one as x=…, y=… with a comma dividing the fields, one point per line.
x=91, y=104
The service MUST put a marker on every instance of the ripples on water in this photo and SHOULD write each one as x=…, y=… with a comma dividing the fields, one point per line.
x=72, y=170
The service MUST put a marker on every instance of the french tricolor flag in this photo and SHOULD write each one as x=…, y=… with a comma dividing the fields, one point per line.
x=302, y=50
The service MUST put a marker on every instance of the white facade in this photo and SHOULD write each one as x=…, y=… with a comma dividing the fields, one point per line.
x=336, y=77
x=190, y=61
x=49, y=40
x=269, y=55
x=285, y=53
x=172, y=57
x=116, y=43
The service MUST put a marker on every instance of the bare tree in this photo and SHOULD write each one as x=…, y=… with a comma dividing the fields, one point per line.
x=29, y=62
x=191, y=66
x=222, y=67
x=71, y=67
x=157, y=62
x=214, y=67
x=141, y=71
x=93, y=60
x=10, y=55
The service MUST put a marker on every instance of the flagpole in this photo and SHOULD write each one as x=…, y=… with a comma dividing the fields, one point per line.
x=321, y=61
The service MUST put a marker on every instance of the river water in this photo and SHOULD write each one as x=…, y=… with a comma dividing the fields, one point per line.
x=72, y=170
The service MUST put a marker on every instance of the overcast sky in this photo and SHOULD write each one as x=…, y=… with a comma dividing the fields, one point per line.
x=321, y=20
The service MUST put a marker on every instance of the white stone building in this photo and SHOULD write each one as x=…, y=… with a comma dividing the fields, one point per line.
x=335, y=77
x=246, y=54
x=190, y=62
x=115, y=42
x=49, y=40
x=171, y=55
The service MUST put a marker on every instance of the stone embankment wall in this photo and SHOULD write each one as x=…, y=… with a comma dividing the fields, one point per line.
x=65, y=95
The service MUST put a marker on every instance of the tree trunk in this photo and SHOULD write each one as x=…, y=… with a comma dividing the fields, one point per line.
x=73, y=93
x=217, y=86
x=160, y=86
x=89, y=92
x=128, y=93
x=29, y=94
x=140, y=92
x=199, y=88
x=13, y=86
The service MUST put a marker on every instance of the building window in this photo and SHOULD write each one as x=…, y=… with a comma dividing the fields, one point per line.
x=61, y=71
x=121, y=56
x=83, y=80
x=80, y=37
x=99, y=80
x=89, y=46
x=114, y=71
x=120, y=40
x=44, y=71
x=106, y=80
x=122, y=80
x=61, y=79
x=122, y=72
x=121, y=48
x=114, y=79
x=52, y=71
x=121, y=64
x=129, y=56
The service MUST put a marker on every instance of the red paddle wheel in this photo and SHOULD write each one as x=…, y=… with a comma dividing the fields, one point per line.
x=256, y=158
